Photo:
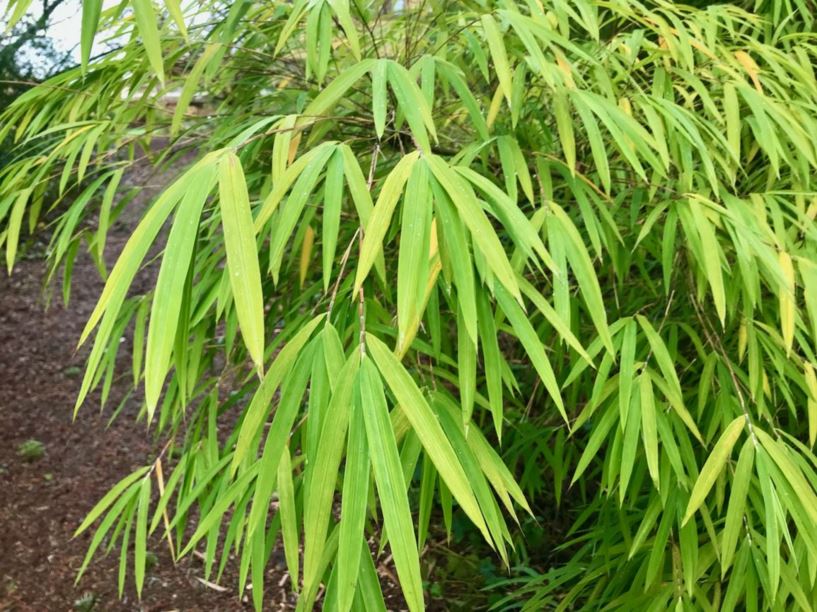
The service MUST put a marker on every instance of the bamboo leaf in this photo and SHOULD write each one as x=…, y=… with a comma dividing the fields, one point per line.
x=353, y=510
x=391, y=486
x=428, y=430
x=714, y=465
x=412, y=263
x=737, y=503
x=498, y=55
x=286, y=507
x=167, y=298
x=242, y=257
x=91, y=10
x=380, y=218
x=786, y=297
x=146, y=20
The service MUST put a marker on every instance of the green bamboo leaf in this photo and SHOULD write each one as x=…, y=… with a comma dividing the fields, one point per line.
x=564, y=124
x=391, y=486
x=808, y=272
x=260, y=404
x=412, y=263
x=714, y=465
x=140, y=537
x=711, y=257
x=380, y=218
x=661, y=354
x=286, y=507
x=803, y=490
x=428, y=430
x=223, y=501
x=649, y=429
x=344, y=16
x=242, y=256
x=413, y=104
x=379, y=97
x=191, y=84
x=499, y=55
x=629, y=446
x=20, y=8
x=626, y=369
x=109, y=498
x=293, y=207
x=467, y=369
x=734, y=524
x=322, y=474
x=585, y=274
x=282, y=182
x=492, y=361
x=353, y=509
x=332, y=201
x=146, y=21
x=14, y=225
x=454, y=249
x=167, y=298
x=472, y=215
x=533, y=346
x=175, y=10
x=116, y=512
x=333, y=92
x=91, y=10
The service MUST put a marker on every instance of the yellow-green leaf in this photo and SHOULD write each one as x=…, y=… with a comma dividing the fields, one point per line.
x=242, y=256
x=714, y=465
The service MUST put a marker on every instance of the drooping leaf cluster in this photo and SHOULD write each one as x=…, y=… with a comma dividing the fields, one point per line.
x=460, y=257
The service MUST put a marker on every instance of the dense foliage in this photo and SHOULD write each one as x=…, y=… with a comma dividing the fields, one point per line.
x=474, y=258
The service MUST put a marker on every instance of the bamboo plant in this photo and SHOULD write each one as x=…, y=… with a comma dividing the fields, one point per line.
x=411, y=243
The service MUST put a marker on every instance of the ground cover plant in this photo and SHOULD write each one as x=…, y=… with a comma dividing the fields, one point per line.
x=438, y=259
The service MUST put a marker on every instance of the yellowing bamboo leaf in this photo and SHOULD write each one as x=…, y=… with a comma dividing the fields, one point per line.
x=751, y=67
x=306, y=255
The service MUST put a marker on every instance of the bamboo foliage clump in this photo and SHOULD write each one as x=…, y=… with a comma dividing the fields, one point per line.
x=474, y=257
